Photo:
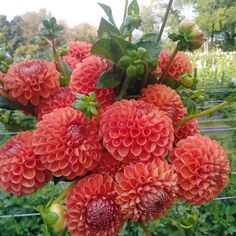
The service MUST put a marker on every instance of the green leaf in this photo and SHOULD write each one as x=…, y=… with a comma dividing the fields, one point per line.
x=133, y=8
x=152, y=47
x=46, y=23
x=106, y=27
x=149, y=37
x=191, y=106
x=106, y=48
x=108, y=12
x=231, y=98
x=107, y=80
x=171, y=82
x=175, y=37
x=9, y=105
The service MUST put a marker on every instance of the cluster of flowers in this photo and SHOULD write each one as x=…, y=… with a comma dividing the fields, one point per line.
x=122, y=155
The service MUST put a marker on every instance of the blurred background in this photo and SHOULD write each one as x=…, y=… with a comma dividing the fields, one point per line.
x=214, y=67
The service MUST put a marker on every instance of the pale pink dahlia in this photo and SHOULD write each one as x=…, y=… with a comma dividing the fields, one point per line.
x=29, y=81
x=181, y=64
x=22, y=172
x=146, y=191
x=166, y=99
x=67, y=142
x=62, y=98
x=85, y=76
x=202, y=168
x=91, y=208
x=135, y=130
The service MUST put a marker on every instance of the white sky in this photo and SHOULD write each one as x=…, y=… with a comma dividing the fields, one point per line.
x=72, y=11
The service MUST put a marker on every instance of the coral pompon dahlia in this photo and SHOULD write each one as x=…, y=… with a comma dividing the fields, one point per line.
x=91, y=208
x=28, y=81
x=166, y=99
x=202, y=168
x=85, y=76
x=67, y=142
x=188, y=129
x=181, y=64
x=22, y=172
x=146, y=191
x=78, y=49
x=135, y=130
x=62, y=98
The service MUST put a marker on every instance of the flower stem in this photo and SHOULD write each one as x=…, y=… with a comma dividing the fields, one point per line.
x=202, y=113
x=124, y=16
x=169, y=63
x=145, y=230
x=4, y=64
x=64, y=193
x=164, y=20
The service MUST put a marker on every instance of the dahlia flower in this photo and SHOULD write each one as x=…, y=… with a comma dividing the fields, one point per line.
x=85, y=76
x=135, y=130
x=166, y=99
x=28, y=81
x=146, y=191
x=188, y=129
x=91, y=208
x=67, y=142
x=22, y=172
x=202, y=168
x=181, y=64
x=108, y=164
x=62, y=98
x=77, y=51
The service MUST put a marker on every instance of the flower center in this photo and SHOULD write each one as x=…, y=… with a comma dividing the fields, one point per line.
x=100, y=213
x=76, y=134
x=154, y=203
x=29, y=69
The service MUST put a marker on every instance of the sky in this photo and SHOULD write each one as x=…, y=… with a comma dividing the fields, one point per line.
x=72, y=11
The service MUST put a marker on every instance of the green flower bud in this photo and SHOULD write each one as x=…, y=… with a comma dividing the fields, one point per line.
x=59, y=225
x=131, y=71
x=140, y=69
x=186, y=26
x=124, y=62
x=196, y=39
x=187, y=81
x=200, y=98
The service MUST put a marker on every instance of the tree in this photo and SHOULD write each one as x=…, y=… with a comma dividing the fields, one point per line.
x=4, y=32
x=217, y=19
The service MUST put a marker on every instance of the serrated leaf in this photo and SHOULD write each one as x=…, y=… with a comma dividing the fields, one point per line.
x=175, y=37
x=107, y=80
x=152, y=47
x=107, y=49
x=133, y=8
x=106, y=27
x=108, y=12
x=231, y=98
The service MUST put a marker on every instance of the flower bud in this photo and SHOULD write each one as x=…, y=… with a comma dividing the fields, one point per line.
x=58, y=226
x=186, y=26
x=187, y=81
x=131, y=71
x=196, y=39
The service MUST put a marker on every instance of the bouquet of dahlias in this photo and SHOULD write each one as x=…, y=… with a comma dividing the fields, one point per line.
x=117, y=119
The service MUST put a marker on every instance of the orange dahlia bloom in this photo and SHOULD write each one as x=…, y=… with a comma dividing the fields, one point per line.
x=146, y=191
x=188, y=129
x=85, y=76
x=22, y=172
x=181, y=64
x=28, y=81
x=202, y=168
x=166, y=99
x=91, y=208
x=135, y=130
x=67, y=142
x=62, y=98
x=108, y=165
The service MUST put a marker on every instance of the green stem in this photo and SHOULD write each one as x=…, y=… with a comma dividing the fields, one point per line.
x=124, y=16
x=64, y=193
x=130, y=37
x=4, y=64
x=177, y=223
x=163, y=75
x=145, y=230
x=164, y=20
x=203, y=113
